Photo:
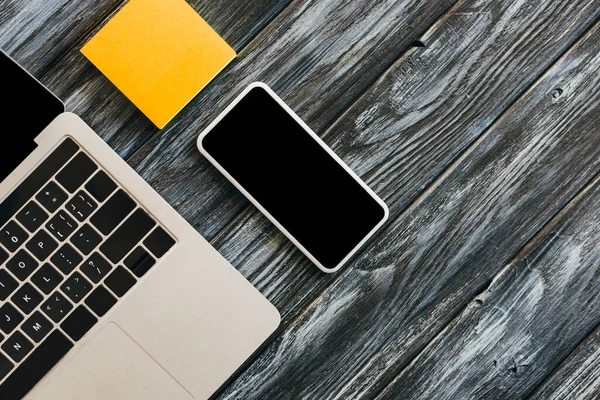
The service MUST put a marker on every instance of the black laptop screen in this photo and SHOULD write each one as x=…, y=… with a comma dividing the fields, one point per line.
x=27, y=107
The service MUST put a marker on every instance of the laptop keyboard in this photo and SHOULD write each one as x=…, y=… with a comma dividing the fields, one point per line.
x=72, y=244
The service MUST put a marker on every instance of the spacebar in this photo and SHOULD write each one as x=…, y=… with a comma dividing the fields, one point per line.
x=33, y=369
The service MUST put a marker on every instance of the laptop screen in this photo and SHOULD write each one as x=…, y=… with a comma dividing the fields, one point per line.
x=26, y=109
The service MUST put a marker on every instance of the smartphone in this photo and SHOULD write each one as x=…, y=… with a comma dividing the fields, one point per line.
x=293, y=177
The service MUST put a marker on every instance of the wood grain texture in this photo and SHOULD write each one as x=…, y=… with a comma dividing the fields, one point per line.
x=98, y=102
x=38, y=32
x=578, y=377
x=531, y=317
x=425, y=268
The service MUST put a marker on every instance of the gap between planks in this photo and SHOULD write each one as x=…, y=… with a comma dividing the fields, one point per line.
x=102, y=19
x=574, y=372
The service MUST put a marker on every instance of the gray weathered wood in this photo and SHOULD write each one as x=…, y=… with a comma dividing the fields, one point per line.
x=38, y=32
x=98, y=102
x=579, y=375
x=531, y=317
x=354, y=337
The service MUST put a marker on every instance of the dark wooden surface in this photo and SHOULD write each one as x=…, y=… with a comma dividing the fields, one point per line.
x=476, y=121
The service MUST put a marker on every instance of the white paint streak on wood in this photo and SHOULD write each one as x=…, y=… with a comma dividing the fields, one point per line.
x=579, y=376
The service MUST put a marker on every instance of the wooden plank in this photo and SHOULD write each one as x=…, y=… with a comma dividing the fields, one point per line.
x=319, y=55
x=578, y=377
x=90, y=95
x=239, y=21
x=37, y=33
x=536, y=311
x=428, y=264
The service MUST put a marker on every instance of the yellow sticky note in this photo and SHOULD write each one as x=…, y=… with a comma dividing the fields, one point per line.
x=160, y=54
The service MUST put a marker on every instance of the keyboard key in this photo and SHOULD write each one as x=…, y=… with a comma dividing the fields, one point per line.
x=17, y=346
x=10, y=318
x=81, y=206
x=32, y=216
x=77, y=171
x=79, y=323
x=27, y=298
x=5, y=366
x=127, y=236
x=159, y=242
x=120, y=281
x=52, y=197
x=96, y=267
x=61, y=225
x=38, y=364
x=100, y=301
x=76, y=287
x=101, y=186
x=56, y=307
x=42, y=245
x=47, y=278
x=3, y=255
x=86, y=239
x=34, y=181
x=22, y=265
x=37, y=326
x=113, y=212
x=66, y=259
x=8, y=284
x=139, y=261
x=13, y=236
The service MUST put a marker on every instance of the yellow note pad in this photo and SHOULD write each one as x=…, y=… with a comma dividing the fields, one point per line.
x=160, y=54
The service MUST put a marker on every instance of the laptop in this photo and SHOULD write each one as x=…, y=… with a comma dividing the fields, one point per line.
x=106, y=292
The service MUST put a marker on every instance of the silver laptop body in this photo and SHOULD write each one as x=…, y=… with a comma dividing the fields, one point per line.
x=117, y=296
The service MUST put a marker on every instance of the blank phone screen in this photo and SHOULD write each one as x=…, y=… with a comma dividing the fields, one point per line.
x=293, y=177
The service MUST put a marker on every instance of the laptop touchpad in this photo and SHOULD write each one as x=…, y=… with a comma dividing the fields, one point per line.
x=112, y=366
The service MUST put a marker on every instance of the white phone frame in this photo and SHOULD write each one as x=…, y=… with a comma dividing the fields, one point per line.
x=322, y=144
